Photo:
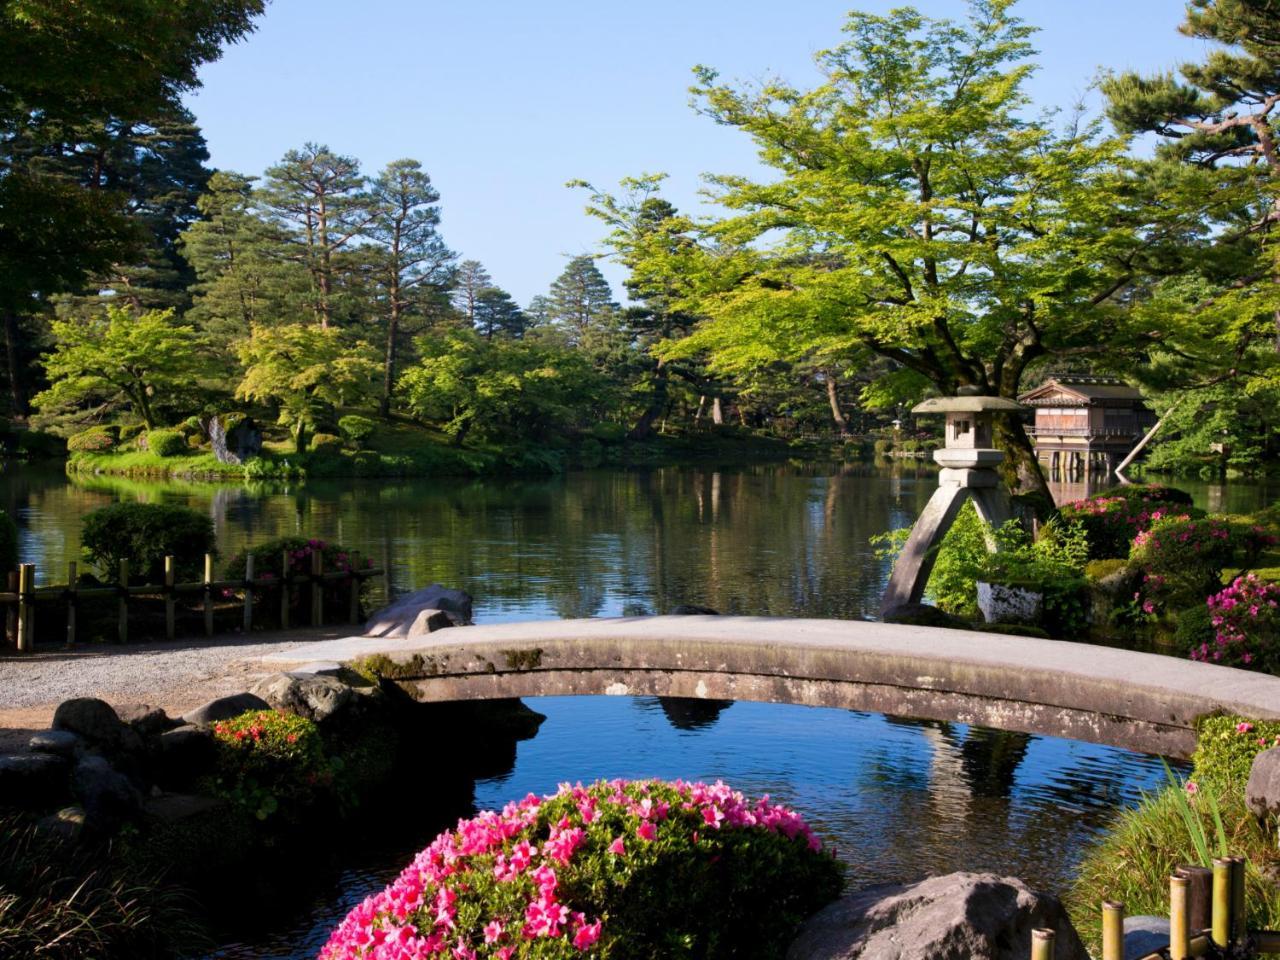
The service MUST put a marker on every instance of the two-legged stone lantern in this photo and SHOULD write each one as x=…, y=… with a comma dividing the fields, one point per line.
x=969, y=460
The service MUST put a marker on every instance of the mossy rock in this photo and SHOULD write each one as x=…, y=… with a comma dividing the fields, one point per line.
x=924, y=615
x=1015, y=630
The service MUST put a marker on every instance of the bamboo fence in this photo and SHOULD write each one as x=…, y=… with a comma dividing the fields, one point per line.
x=24, y=599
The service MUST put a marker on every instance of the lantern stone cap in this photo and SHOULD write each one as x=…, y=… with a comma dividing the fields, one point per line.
x=968, y=405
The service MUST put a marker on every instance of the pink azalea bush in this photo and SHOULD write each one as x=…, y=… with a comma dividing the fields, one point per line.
x=619, y=869
x=1246, y=624
x=269, y=563
x=270, y=763
x=1180, y=558
x=1113, y=518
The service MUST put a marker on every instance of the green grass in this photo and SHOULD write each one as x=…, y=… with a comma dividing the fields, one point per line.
x=143, y=463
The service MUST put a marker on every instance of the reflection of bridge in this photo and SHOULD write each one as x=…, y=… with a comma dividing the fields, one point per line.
x=1135, y=700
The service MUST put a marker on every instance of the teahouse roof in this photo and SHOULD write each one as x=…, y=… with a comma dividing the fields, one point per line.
x=967, y=405
x=1080, y=391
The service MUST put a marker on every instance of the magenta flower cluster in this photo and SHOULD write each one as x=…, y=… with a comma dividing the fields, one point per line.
x=1246, y=623
x=526, y=881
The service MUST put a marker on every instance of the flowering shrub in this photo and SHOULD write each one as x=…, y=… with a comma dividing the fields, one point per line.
x=93, y=440
x=1181, y=558
x=269, y=762
x=1246, y=624
x=269, y=564
x=641, y=869
x=1226, y=748
x=1111, y=520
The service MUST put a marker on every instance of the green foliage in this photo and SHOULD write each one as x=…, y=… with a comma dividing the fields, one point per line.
x=93, y=440
x=144, y=534
x=1226, y=748
x=357, y=430
x=500, y=389
x=166, y=443
x=1112, y=518
x=306, y=370
x=68, y=901
x=9, y=555
x=269, y=562
x=1181, y=559
x=1096, y=570
x=325, y=443
x=1193, y=628
x=271, y=763
x=121, y=359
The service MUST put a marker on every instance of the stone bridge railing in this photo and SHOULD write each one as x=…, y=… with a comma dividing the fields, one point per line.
x=1133, y=700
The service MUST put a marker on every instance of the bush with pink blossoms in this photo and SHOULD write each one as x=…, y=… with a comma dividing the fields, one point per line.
x=1181, y=559
x=269, y=564
x=623, y=870
x=1113, y=518
x=1246, y=625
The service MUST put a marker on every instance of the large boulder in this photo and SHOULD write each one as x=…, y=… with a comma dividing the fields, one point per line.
x=107, y=795
x=145, y=719
x=1262, y=792
x=398, y=617
x=975, y=916
x=234, y=438
x=183, y=755
x=32, y=780
x=60, y=743
x=924, y=615
x=97, y=722
x=316, y=697
x=224, y=708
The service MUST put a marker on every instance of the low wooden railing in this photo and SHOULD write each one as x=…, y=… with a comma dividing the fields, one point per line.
x=23, y=596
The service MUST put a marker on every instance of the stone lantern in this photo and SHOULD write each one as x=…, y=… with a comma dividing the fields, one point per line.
x=968, y=460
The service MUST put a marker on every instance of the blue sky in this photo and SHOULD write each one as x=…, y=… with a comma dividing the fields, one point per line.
x=503, y=100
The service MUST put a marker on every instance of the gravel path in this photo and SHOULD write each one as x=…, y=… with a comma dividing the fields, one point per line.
x=176, y=675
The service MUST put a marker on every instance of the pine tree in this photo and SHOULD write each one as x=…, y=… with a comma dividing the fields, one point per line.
x=581, y=304
x=320, y=195
x=471, y=279
x=403, y=226
x=497, y=314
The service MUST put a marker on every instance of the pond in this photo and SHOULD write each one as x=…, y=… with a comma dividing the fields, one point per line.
x=898, y=798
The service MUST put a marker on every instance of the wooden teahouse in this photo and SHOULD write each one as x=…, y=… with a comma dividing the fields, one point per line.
x=1086, y=423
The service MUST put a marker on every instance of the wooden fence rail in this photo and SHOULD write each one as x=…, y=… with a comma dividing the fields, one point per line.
x=22, y=597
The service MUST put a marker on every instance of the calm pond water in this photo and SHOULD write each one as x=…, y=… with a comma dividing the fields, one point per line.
x=898, y=798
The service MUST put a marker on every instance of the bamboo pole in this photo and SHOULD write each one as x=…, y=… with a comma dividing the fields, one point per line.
x=248, y=592
x=122, y=605
x=1179, y=918
x=353, y=565
x=1199, y=895
x=73, y=601
x=1239, y=913
x=1112, y=930
x=11, y=610
x=208, y=595
x=169, y=612
x=26, y=608
x=1042, y=944
x=317, y=590
x=1221, y=919
x=284, y=591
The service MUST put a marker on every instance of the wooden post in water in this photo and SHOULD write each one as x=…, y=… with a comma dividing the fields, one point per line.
x=353, y=568
x=1042, y=944
x=169, y=612
x=317, y=589
x=73, y=601
x=1112, y=930
x=284, y=591
x=26, y=608
x=1179, y=918
x=122, y=609
x=248, y=592
x=1221, y=917
x=208, y=595
x=11, y=611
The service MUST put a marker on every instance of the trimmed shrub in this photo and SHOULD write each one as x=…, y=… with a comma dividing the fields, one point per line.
x=1111, y=522
x=1226, y=748
x=143, y=534
x=325, y=443
x=195, y=441
x=356, y=430
x=1193, y=630
x=1181, y=558
x=269, y=563
x=882, y=447
x=621, y=870
x=94, y=440
x=130, y=431
x=166, y=443
x=1244, y=626
x=1146, y=493
x=270, y=763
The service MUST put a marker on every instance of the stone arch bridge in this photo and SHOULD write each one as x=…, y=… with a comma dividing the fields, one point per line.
x=1138, y=701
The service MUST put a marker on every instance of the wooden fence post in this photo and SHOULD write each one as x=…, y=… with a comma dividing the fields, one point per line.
x=26, y=608
x=248, y=592
x=208, y=595
x=169, y=599
x=11, y=611
x=1199, y=896
x=73, y=601
x=284, y=590
x=353, y=568
x=317, y=589
x=122, y=626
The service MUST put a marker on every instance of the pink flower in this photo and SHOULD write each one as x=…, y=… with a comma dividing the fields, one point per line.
x=618, y=848
x=586, y=935
x=492, y=931
x=647, y=831
x=1244, y=727
x=1192, y=788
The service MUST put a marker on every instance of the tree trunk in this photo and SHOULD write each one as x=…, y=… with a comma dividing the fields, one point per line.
x=1021, y=470
x=717, y=411
x=702, y=405
x=300, y=437
x=833, y=398
x=16, y=392
x=389, y=366
x=657, y=403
